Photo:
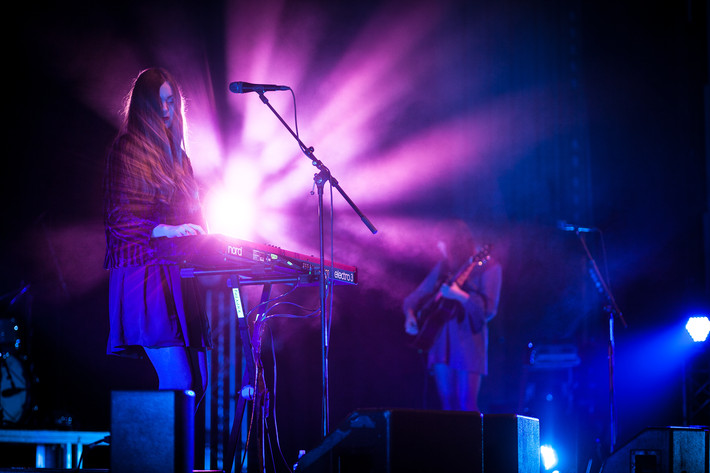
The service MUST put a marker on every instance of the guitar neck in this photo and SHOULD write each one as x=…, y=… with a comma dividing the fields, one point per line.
x=478, y=260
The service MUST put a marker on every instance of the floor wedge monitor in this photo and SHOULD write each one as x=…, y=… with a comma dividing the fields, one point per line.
x=400, y=441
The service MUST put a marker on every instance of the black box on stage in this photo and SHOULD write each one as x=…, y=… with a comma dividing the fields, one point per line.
x=152, y=431
x=400, y=441
x=511, y=443
x=662, y=450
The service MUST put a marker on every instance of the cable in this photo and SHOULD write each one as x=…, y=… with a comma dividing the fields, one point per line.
x=329, y=298
x=269, y=301
x=286, y=315
x=273, y=408
x=606, y=262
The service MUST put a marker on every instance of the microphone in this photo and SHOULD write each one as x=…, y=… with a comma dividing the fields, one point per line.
x=568, y=227
x=244, y=87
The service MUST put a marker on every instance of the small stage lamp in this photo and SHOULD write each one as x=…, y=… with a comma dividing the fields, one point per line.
x=549, y=457
x=698, y=327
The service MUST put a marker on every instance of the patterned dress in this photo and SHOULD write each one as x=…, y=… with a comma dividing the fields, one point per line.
x=150, y=305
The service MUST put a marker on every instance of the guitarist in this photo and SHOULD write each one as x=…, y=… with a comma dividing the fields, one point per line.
x=458, y=357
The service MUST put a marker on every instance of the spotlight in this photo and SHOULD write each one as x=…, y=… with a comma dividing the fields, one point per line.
x=549, y=457
x=698, y=328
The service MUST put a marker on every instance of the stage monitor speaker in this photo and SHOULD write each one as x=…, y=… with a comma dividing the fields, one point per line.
x=662, y=450
x=511, y=444
x=400, y=441
x=152, y=431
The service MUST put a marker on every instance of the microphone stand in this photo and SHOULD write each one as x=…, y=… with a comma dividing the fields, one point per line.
x=613, y=309
x=320, y=179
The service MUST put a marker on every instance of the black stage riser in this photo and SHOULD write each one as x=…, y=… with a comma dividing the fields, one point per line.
x=152, y=431
x=511, y=444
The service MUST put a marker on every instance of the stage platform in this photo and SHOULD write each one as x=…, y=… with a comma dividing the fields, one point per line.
x=46, y=470
x=64, y=470
x=53, y=448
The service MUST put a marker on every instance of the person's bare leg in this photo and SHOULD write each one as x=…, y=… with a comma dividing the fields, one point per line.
x=180, y=368
x=199, y=365
x=172, y=364
x=468, y=384
x=444, y=384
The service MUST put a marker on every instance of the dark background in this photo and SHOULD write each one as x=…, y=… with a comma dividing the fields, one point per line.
x=593, y=112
